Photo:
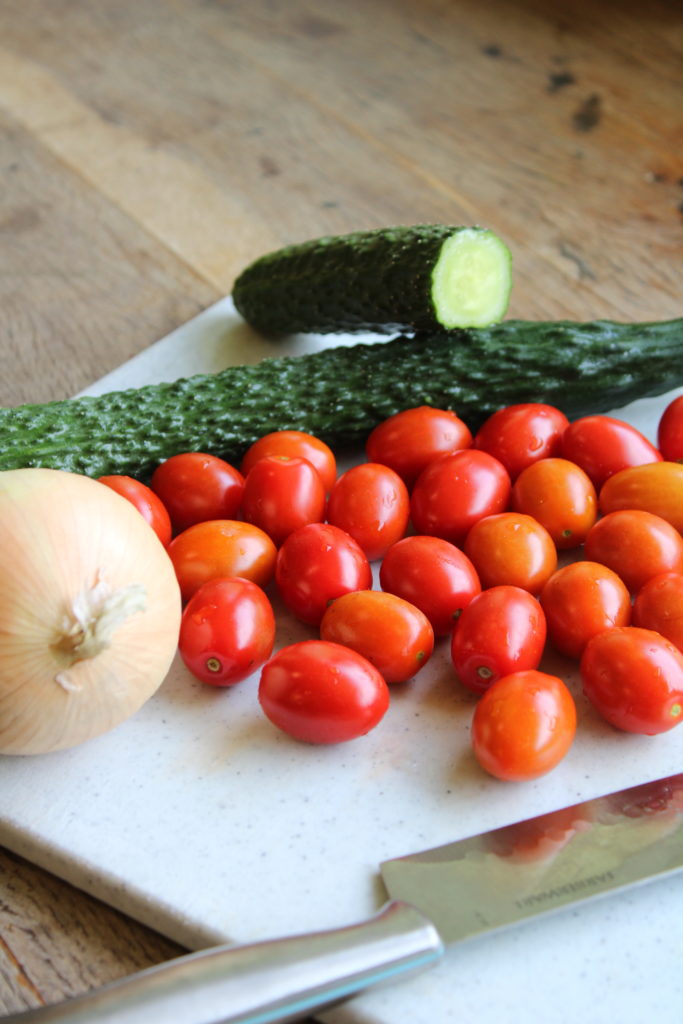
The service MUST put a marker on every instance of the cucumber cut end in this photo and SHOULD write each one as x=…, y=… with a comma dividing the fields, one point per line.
x=472, y=279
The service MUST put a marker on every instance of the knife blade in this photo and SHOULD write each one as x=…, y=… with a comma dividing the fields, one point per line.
x=447, y=894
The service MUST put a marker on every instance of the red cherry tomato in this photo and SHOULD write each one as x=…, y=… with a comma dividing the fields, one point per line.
x=634, y=678
x=659, y=605
x=196, y=487
x=636, y=544
x=294, y=444
x=523, y=726
x=456, y=490
x=602, y=445
x=518, y=435
x=316, y=564
x=321, y=692
x=281, y=494
x=656, y=487
x=580, y=600
x=148, y=504
x=433, y=575
x=512, y=548
x=411, y=439
x=670, y=431
x=502, y=630
x=394, y=635
x=227, y=631
x=221, y=547
x=561, y=496
x=371, y=503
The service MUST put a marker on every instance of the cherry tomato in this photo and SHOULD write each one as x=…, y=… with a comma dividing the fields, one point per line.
x=512, y=548
x=221, y=547
x=580, y=600
x=456, y=490
x=196, y=487
x=227, y=631
x=670, y=431
x=602, y=445
x=523, y=726
x=518, y=435
x=322, y=692
x=371, y=503
x=281, y=494
x=433, y=575
x=394, y=635
x=656, y=487
x=502, y=630
x=634, y=678
x=411, y=439
x=561, y=496
x=294, y=444
x=659, y=605
x=636, y=544
x=316, y=564
x=148, y=504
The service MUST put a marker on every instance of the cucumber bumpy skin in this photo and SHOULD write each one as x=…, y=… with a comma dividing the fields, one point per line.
x=341, y=393
x=404, y=279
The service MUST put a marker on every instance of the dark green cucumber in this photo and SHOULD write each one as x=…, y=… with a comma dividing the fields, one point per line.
x=341, y=393
x=404, y=279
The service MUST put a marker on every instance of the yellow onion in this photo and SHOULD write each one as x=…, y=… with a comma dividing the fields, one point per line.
x=89, y=610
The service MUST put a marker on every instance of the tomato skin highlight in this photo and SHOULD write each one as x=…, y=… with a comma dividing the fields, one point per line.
x=561, y=496
x=432, y=574
x=227, y=631
x=580, y=600
x=521, y=434
x=394, y=635
x=316, y=564
x=294, y=444
x=149, y=505
x=411, y=439
x=455, y=491
x=636, y=544
x=603, y=445
x=371, y=503
x=658, y=605
x=511, y=548
x=502, y=630
x=634, y=679
x=322, y=692
x=221, y=547
x=196, y=487
x=523, y=726
x=656, y=487
x=281, y=494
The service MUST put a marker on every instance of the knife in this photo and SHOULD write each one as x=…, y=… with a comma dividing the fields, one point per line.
x=444, y=895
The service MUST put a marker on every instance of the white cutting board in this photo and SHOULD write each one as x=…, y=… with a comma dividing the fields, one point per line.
x=199, y=819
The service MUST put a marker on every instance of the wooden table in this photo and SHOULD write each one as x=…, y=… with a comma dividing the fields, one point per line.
x=149, y=149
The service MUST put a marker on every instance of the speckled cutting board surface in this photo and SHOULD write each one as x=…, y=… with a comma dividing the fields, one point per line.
x=197, y=817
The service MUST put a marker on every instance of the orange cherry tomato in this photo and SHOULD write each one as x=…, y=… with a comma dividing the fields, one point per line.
x=602, y=445
x=520, y=434
x=636, y=544
x=560, y=495
x=294, y=444
x=524, y=725
x=580, y=600
x=411, y=439
x=149, y=505
x=659, y=605
x=281, y=494
x=221, y=547
x=656, y=487
x=512, y=548
x=371, y=503
x=394, y=635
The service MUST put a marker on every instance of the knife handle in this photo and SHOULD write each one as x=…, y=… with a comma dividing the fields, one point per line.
x=280, y=980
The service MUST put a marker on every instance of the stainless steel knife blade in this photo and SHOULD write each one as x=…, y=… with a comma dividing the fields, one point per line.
x=446, y=894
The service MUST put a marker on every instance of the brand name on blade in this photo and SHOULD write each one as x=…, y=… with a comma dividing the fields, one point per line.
x=568, y=889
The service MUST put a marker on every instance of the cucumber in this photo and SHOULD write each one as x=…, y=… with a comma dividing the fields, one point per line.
x=403, y=279
x=341, y=393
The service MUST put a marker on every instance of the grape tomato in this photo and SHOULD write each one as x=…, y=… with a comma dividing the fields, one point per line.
x=409, y=440
x=196, y=487
x=518, y=435
x=603, y=445
x=294, y=444
x=282, y=493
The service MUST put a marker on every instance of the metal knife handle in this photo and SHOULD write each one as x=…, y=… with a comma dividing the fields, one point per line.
x=280, y=980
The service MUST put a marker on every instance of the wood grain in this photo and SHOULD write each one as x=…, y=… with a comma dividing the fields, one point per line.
x=149, y=149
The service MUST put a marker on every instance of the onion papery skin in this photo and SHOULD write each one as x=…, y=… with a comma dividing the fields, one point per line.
x=62, y=534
